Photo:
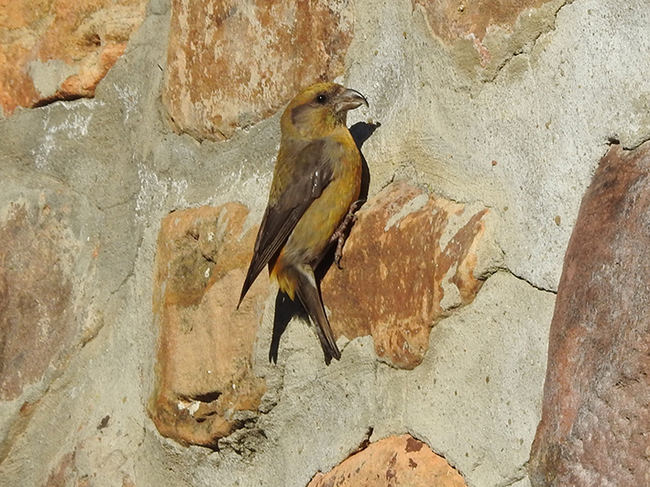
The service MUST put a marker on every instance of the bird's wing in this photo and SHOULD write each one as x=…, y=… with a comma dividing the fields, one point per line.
x=287, y=204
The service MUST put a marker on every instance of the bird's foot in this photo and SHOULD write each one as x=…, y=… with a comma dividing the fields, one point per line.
x=340, y=234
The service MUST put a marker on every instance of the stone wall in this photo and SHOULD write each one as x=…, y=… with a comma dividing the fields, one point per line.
x=137, y=148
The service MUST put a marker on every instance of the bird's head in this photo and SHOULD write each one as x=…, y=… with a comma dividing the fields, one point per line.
x=320, y=109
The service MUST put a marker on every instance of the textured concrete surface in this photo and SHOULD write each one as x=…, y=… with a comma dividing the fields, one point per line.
x=521, y=137
x=545, y=119
x=479, y=384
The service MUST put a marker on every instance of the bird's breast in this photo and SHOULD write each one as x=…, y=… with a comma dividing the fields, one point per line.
x=311, y=236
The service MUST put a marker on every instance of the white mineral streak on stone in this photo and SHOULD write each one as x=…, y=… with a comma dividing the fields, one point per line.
x=411, y=206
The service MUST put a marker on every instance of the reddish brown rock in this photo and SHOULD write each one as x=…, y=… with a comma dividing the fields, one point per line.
x=596, y=413
x=233, y=63
x=37, y=325
x=60, y=49
x=408, y=261
x=204, y=371
x=393, y=462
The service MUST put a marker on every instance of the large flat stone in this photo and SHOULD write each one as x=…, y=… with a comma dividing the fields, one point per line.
x=60, y=49
x=597, y=393
x=410, y=259
x=231, y=64
x=204, y=371
x=37, y=295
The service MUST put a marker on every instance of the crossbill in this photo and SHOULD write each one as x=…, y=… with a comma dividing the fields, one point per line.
x=316, y=184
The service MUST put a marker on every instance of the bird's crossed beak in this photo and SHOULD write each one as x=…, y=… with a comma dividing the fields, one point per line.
x=349, y=100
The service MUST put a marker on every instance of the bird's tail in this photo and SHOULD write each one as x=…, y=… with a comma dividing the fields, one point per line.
x=309, y=296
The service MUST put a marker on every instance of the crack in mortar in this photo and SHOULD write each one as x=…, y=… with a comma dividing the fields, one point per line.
x=614, y=141
x=521, y=278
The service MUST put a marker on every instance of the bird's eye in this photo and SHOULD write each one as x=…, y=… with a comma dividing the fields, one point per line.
x=321, y=98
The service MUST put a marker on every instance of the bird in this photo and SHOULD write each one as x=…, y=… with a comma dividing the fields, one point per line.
x=314, y=194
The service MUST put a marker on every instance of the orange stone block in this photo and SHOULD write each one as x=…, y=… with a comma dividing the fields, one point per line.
x=409, y=260
x=397, y=461
x=233, y=63
x=60, y=49
x=473, y=21
x=204, y=367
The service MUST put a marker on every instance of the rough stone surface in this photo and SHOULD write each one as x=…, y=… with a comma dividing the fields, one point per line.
x=410, y=259
x=204, y=356
x=395, y=461
x=231, y=64
x=36, y=294
x=61, y=49
x=520, y=135
x=594, y=428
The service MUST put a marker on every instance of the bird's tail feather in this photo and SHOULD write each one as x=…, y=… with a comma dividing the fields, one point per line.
x=310, y=297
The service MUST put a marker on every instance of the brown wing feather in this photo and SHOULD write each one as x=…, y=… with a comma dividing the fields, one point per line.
x=312, y=174
x=310, y=297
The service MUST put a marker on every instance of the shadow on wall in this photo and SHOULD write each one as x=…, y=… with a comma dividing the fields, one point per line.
x=361, y=131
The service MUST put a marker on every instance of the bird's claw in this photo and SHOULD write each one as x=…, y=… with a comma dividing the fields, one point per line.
x=339, y=234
